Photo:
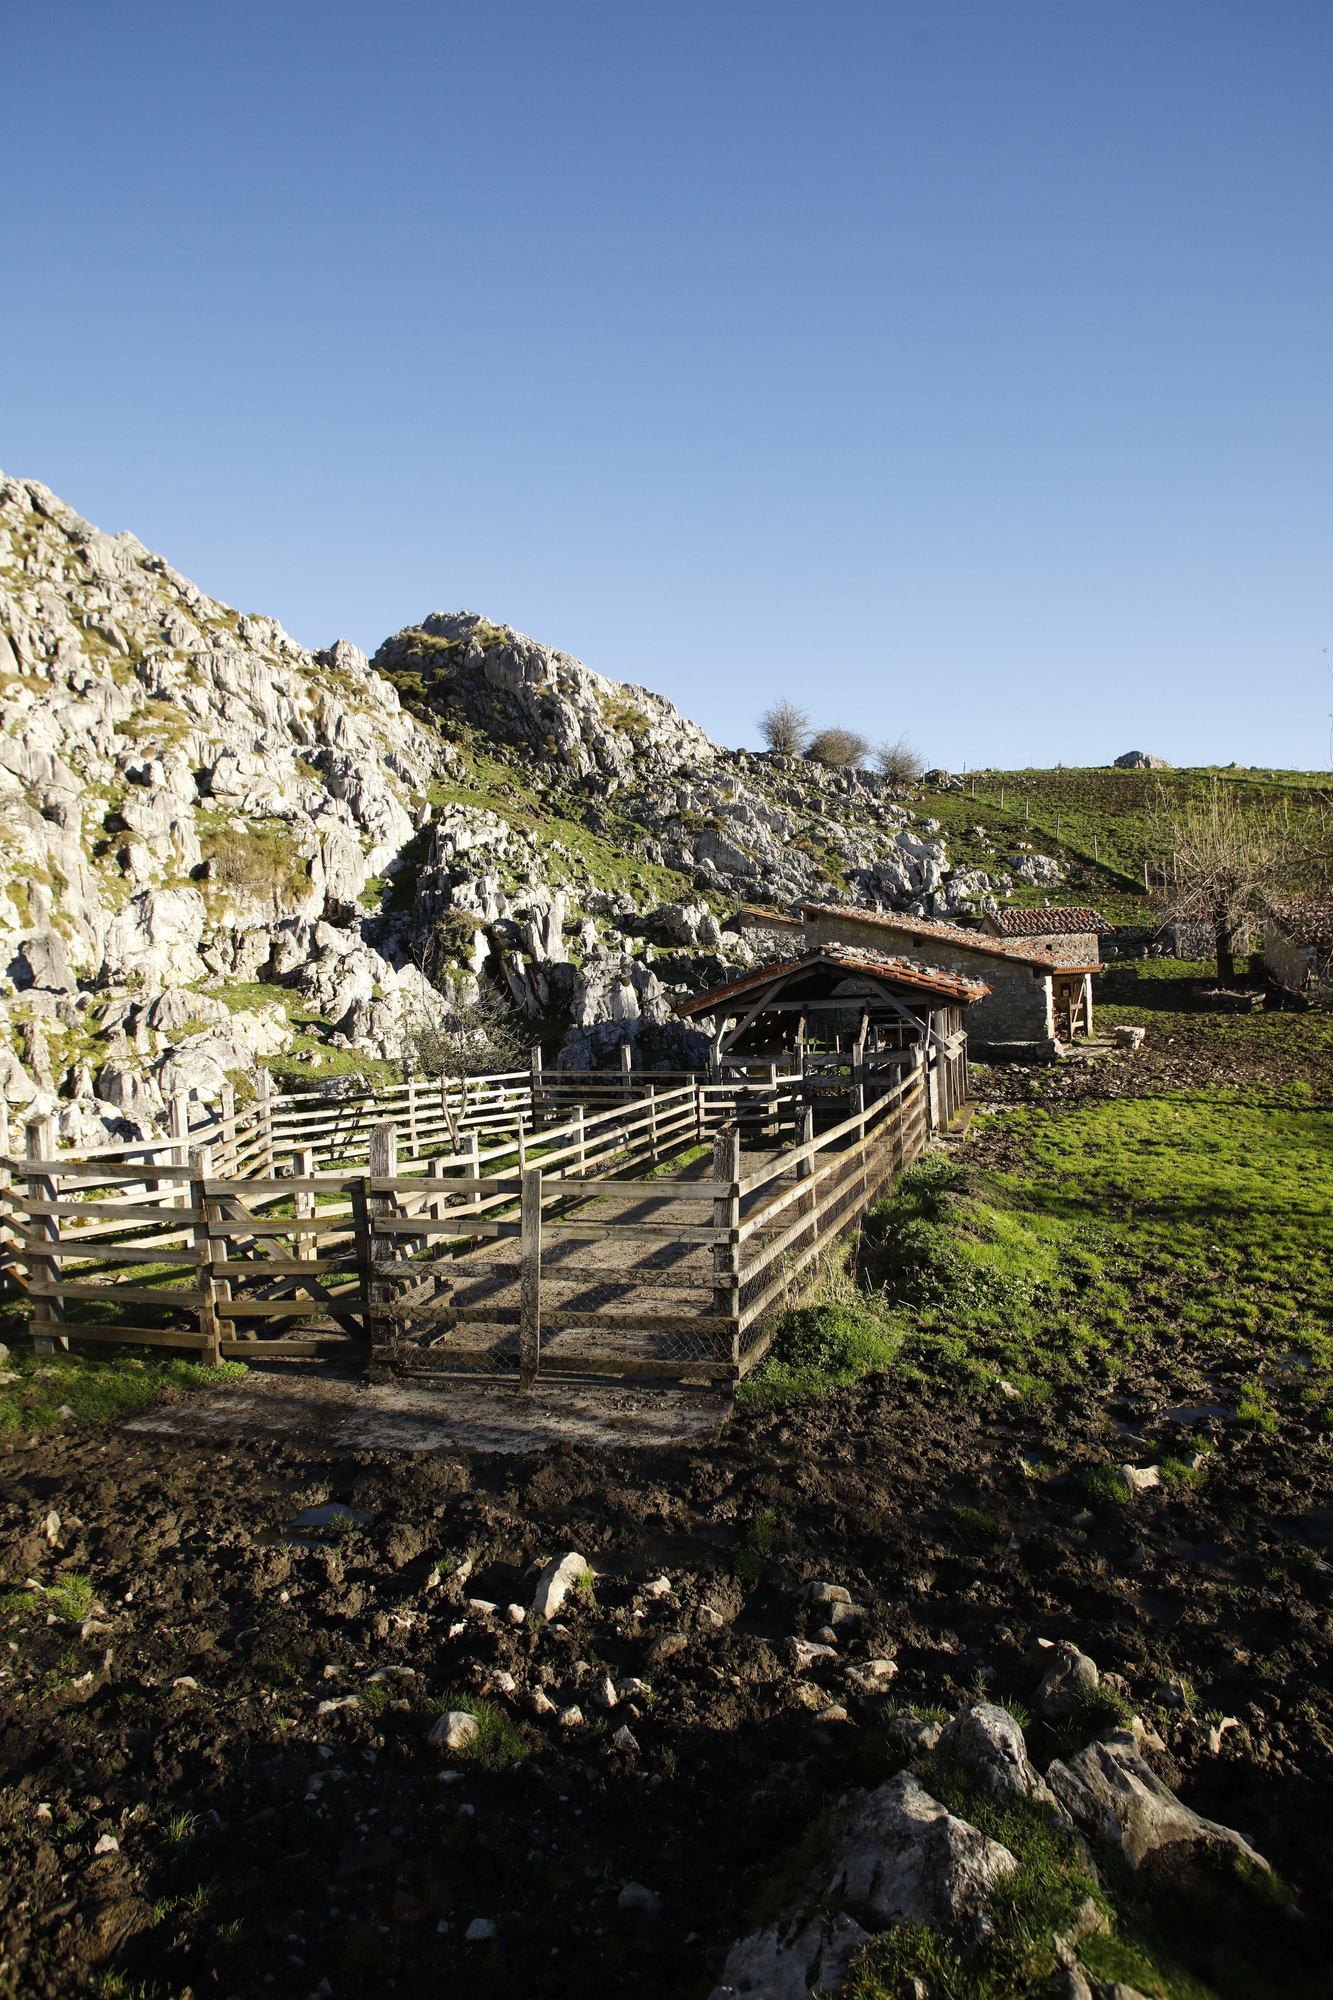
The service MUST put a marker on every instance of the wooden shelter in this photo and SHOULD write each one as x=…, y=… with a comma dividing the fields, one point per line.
x=848, y=1022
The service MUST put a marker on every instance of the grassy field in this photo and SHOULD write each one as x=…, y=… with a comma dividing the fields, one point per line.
x=1099, y=1212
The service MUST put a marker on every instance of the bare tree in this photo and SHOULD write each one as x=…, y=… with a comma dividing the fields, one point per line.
x=785, y=728
x=838, y=746
x=460, y=1028
x=1219, y=861
x=899, y=762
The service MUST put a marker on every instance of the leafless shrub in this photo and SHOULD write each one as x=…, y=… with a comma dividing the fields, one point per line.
x=838, y=746
x=899, y=762
x=785, y=728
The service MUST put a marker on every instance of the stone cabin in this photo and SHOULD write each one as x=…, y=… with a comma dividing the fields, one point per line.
x=1071, y=930
x=1040, y=995
x=1298, y=945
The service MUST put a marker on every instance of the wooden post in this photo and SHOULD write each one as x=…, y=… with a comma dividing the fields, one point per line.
x=227, y=1161
x=522, y=1146
x=264, y=1091
x=530, y=1277
x=383, y=1166
x=46, y=1312
x=535, y=1084
x=805, y=1169
x=727, y=1256
x=580, y=1141
x=627, y=1069
x=472, y=1155
x=201, y=1170
x=652, y=1123
x=435, y=1172
x=178, y=1124
x=303, y=1160
x=698, y=1112
x=412, y=1146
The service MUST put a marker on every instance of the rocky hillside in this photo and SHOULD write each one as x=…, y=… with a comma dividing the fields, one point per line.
x=218, y=848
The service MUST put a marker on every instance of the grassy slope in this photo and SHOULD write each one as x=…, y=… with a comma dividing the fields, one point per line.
x=1068, y=809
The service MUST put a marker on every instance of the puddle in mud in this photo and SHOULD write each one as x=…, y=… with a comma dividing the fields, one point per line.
x=1195, y=1413
x=290, y=1537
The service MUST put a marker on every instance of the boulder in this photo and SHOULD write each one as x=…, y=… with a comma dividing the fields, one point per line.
x=1140, y=760
x=988, y=1739
x=1114, y=1796
x=894, y=1856
x=172, y=1009
x=42, y=962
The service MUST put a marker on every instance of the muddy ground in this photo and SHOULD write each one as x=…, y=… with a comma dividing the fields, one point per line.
x=183, y=1810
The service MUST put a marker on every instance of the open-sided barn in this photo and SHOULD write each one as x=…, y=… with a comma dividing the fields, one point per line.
x=848, y=1021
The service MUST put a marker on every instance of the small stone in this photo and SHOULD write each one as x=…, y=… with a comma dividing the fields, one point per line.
x=801, y=1652
x=827, y=1636
x=542, y=1703
x=43, y=1810
x=625, y=1740
x=503, y=1682
x=480, y=1931
x=482, y=1606
x=107, y=1844
x=1171, y=1693
x=644, y=1902
x=606, y=1692
x=1217, y=1730
x=631, y=1686
x=663, y=1648
x=1006, y=1388
x=708, y=1616
x=556, y=1581
x=660, y=1588
x=571, y=1717
x=1140, y=1478
x=455, y=1730
x=871, y=1676
x=336, y=1702
x=825, y=1593
x=909, y=1733
x=188, y=1682
x=64, y=1411
x=51, y=1527
x=516, y=1613
x=1068, y=1680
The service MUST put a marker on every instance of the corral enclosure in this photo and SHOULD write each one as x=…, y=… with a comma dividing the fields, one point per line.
x=612, y=1224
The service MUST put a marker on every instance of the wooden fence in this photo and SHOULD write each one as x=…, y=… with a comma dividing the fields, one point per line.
x=224, y=1254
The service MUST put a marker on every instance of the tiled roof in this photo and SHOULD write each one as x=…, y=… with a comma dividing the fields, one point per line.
x=1048, y=923
x=1306, y=919
x=848, y=961
x=1047, y=958
x=770, y=917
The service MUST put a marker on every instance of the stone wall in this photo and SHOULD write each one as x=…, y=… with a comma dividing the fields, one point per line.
x=1019, y=1008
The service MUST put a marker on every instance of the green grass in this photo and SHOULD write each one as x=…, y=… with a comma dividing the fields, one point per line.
x=98, y=1388
x=1069, y=1238
x=70, y=1597
x=497, y=1745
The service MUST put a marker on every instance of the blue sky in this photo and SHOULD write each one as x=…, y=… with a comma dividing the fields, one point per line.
x=959, y=371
